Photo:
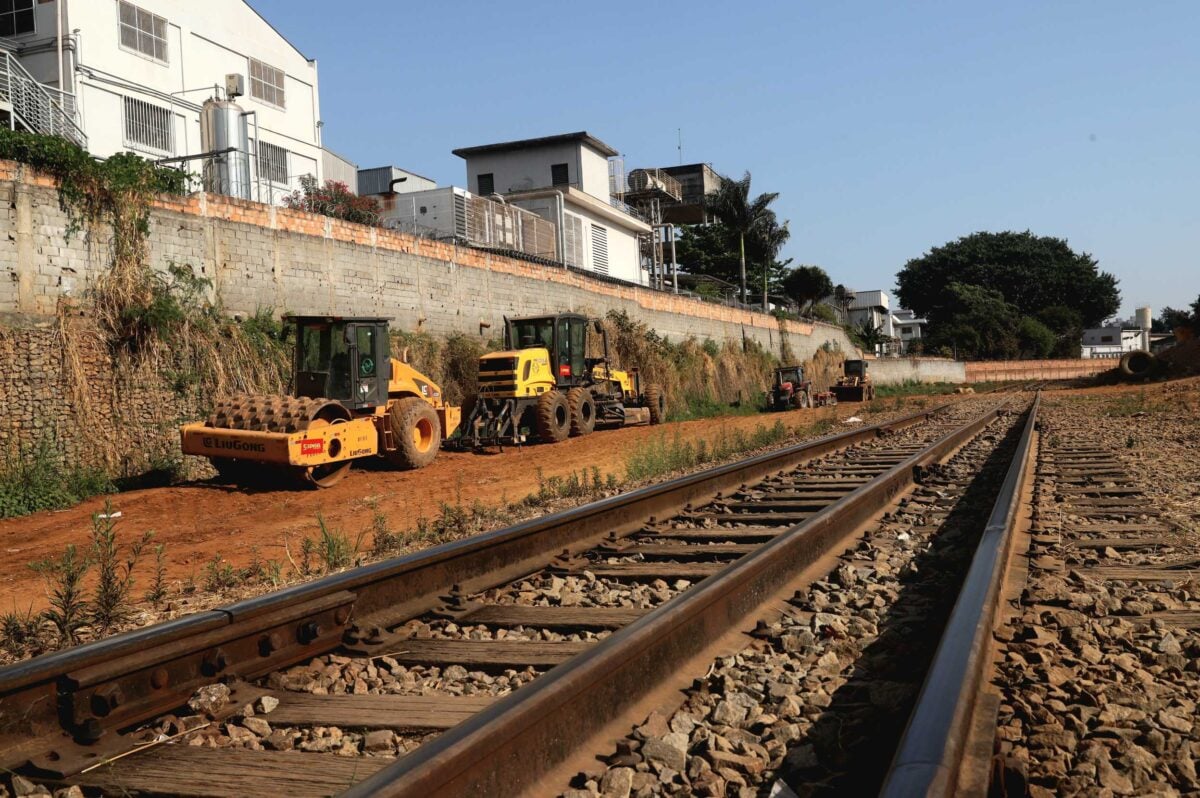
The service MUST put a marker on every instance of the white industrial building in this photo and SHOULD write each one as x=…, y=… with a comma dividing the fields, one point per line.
x=565, y=179
x=1115, y=339
x=874, y=309
x=908, y=328
x=132, y=76
x=392, y=180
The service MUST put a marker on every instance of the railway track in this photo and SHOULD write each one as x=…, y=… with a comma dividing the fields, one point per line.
x=591, y=612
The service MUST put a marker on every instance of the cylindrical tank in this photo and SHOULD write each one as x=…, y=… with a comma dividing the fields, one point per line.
x=1144, y=316
x=222, y=126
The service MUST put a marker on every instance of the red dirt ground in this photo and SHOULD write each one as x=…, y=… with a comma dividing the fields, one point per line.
x=198, y=520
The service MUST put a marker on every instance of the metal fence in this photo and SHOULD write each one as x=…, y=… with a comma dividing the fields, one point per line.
x=496, y=225
x=37, y=108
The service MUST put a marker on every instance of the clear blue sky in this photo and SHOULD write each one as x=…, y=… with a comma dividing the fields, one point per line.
x=887, y=128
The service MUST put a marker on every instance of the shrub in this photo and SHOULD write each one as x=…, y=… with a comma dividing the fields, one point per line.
x=334, y=199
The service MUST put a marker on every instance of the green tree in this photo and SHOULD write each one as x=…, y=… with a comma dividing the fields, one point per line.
x=730, y=203
x=1169, y=319
x=1028, y=273
x=867, y=337
x=1067, y=326
x=1035, y=339
x=764, y=246
x=982, y=324
x=708, y=249
x=807, y=285
x=824, y=313
x=715, y=250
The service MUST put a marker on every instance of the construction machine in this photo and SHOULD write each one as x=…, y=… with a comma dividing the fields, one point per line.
x=350, y=399
x=545, y=386
x=855, y=383
x=791, y=389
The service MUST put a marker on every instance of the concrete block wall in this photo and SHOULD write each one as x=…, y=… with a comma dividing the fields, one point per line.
x=1061, y=369
x=260, y=256
x=887, y=371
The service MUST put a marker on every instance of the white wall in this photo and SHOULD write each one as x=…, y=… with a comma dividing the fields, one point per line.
x=623, y=261
x=529, y=168
x=205, y=41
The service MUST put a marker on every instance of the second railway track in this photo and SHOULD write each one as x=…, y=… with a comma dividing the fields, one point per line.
x=590, y=612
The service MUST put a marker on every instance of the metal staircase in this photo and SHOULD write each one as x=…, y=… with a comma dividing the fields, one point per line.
x=34, y=107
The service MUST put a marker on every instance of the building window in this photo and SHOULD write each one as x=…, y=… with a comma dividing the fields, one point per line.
x=559, y=176
x=16, y=17
x=600, y=249
x=272, y=162
x=147, y=126
x=143, y=32
x=1106, y=339
x=486, y=184
x=266, y=83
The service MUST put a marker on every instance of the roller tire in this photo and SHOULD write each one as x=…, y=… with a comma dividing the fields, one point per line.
x=416, y=432
x=583, y=411
x=553, y=417
x=230, y=470
x=656, y=401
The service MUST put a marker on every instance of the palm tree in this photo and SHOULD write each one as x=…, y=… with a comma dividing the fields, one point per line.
x=770, y=238
x=731, y=205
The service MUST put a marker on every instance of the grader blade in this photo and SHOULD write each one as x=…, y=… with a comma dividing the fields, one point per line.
x=849, y=393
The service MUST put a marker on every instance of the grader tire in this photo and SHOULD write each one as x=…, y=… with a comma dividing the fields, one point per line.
x=656, y=400
x=553, y=417
x=583, y=411
x=416, y=432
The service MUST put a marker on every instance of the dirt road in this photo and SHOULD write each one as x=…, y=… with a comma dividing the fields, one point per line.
x=198, y=521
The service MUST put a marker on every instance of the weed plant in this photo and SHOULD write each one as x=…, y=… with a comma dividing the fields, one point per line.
x=158, y=584
x=660, y=455
x=40, y=478
x=19, y=631
x=69, y=607
x=110, y=606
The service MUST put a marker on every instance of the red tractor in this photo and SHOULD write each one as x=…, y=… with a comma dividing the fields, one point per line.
x=792, y=390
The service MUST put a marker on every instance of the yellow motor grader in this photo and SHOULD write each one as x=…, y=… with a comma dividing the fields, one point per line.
x=544, y=386
x=350, y=400
x=855, y=383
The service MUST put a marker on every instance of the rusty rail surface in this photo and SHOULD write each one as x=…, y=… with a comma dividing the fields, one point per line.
x=505, y=749
x=930, y=756
x=60, y=713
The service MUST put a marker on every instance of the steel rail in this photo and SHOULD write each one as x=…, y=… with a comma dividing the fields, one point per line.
x=505, y=749
x=61, y=712
x=930, y=755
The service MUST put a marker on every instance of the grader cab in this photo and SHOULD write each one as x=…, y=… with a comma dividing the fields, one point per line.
x=351, y=399
x=545, y=386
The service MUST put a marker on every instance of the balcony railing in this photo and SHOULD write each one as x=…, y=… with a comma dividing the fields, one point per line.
x=38, y=108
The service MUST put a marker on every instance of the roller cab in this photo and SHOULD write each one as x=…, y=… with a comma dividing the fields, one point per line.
x=351, y=400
